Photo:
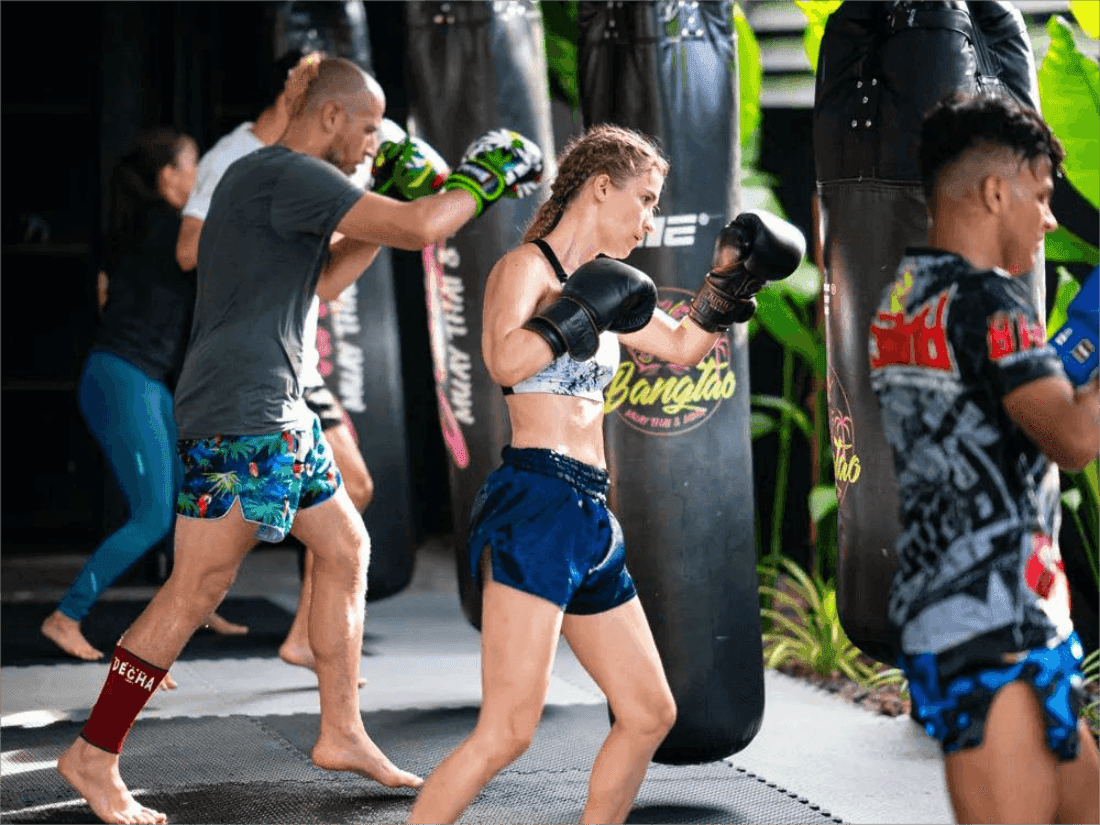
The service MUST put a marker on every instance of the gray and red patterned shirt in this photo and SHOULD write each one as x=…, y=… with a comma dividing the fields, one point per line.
x=978, y=563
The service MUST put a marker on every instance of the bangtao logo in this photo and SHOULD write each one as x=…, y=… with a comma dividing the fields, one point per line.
x=846, y=466
x=659, y=398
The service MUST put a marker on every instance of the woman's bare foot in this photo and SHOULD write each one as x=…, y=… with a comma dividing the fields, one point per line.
x=65, y=633
x=167, y=683
x=224, y=627
x=300, y=655
x=358, y=754
x=94, y=775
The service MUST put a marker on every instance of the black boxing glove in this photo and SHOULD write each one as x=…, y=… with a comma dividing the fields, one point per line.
x=754, y=248
x=604, y=294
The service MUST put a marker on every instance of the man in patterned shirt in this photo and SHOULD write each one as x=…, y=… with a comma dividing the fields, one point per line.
x=979, y=414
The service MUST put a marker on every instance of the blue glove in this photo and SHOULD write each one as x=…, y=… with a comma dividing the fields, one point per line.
x=1077, y=340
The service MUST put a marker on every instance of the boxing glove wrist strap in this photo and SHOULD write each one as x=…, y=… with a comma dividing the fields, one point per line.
x=466, y=186
x=549, y=334
x=130, y=683
x=480, y=182
x=714, y=310
x=572, y=326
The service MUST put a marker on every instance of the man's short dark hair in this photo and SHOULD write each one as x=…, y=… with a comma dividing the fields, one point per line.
x=960, y=122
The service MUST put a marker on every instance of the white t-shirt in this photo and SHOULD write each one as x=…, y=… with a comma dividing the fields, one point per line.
x=213, y=164
x=311, y=358
x=230, y=148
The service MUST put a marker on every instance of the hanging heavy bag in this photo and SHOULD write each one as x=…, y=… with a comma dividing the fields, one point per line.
x=881, y=67
x=681, y=462
x=475, y=68
x=362, y=366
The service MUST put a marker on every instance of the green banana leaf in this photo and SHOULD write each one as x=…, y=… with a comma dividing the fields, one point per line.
x=777, y=316
x=817, y=12
x=1069, y=91
x=1063, y=245
x=797, y=414
x=749, y=77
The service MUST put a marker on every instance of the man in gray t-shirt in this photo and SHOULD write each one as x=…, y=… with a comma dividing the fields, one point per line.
x=264, y=243
x=290, y=77
x=256, y=464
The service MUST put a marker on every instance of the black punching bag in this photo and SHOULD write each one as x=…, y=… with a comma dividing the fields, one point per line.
x=882, y=65
x=474, y=67
x=678, y=444
x=362, y=364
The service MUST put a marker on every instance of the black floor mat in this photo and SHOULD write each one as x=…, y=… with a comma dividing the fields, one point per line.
x=242, y=769
x=21, y=643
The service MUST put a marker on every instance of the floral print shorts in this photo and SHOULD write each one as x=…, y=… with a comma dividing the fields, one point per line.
x=272, y=475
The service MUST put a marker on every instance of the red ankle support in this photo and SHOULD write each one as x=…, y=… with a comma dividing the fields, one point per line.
x=128, y=687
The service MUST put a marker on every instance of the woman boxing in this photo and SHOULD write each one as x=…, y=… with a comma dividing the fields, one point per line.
x=548, y=551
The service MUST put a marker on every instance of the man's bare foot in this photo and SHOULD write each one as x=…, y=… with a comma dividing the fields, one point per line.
x=167, y=683
x=358, y=754
x=65, y=633
x=224, y=627
x=302, y=656
x=93, y=773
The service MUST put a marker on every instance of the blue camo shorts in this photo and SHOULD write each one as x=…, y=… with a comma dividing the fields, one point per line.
x=544, y=517
x=954, y=705
x=274, y=476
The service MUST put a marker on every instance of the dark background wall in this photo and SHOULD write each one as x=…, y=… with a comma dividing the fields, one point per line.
x=79, y=81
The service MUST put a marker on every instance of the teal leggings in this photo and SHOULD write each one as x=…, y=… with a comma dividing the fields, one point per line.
x=130, y=415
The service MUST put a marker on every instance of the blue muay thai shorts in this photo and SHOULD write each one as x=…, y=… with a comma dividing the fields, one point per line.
x=953, y=701
x=545, y=520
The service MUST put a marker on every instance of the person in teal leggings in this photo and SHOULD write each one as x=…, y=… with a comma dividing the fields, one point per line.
x=125, y=388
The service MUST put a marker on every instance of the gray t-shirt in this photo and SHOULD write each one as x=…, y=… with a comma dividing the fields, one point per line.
x=263, y=246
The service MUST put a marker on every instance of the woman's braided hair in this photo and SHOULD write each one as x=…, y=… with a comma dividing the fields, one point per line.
x=619, y=152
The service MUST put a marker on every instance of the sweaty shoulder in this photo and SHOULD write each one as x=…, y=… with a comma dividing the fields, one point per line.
x=531, y=260
x=520, y=283
x=524, y=263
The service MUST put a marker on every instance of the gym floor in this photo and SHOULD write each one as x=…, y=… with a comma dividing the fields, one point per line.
x=231, y=744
